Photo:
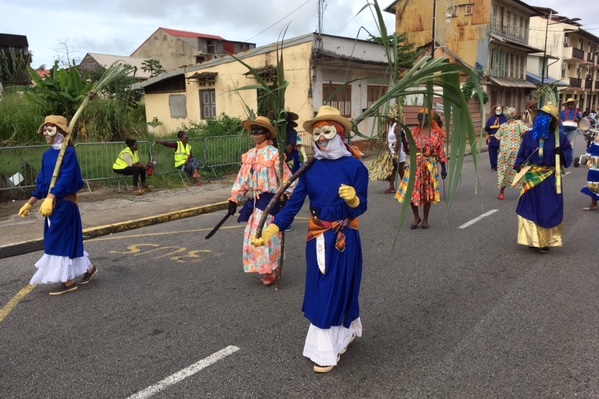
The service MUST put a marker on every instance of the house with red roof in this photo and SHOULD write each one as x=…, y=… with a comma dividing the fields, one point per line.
x=177, y=49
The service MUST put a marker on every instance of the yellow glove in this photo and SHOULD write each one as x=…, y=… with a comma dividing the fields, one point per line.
x=267, y=234
x=47, y=207
x=348, y=193
x=24, y=211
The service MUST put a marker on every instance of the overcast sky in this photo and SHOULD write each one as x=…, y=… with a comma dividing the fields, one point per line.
x=118, y=27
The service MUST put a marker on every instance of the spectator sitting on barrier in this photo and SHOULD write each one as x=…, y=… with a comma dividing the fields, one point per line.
x=184, y=158
x=127, y=163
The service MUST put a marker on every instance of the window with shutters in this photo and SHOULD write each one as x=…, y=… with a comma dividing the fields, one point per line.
x=338, y=96
x=208, y=104
x=374, y=92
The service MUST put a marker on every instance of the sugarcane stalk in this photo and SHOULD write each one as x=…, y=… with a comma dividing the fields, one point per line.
x=65, y=143
x=280, y=192
x=110, y=75
x=269, y=207
x=558, y=165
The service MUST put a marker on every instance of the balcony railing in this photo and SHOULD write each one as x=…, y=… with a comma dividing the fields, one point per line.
x=575, y=82
x=573, y=53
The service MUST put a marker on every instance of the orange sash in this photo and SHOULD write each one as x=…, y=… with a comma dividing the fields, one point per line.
x=318, y=227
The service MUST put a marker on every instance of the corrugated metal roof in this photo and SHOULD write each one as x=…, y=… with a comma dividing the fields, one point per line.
x=107, y=60
x=182, y=33
x=512, y=82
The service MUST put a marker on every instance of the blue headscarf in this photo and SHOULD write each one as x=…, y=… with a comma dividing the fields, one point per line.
x=541, y=126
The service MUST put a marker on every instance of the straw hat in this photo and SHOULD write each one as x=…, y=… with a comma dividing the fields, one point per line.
x=571, y=100
x=57, y=120
x=551, y=110
x=291, y=115
x=328, y=113
x=261, y=121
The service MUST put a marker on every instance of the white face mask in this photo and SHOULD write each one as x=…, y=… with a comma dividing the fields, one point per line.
x=49, y=133
x=498, y=111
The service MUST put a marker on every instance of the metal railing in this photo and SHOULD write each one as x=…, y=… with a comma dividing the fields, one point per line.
x=19, y=166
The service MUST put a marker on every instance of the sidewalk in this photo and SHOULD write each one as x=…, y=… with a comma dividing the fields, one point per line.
x=105, y=211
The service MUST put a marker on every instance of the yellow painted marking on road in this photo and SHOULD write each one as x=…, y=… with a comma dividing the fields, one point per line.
x=137, y=250
x=5, y=311
x=168, y=233
x=190, y=254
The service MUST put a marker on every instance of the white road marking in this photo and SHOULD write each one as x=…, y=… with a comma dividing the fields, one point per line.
x=186, y=372
x=476, y=219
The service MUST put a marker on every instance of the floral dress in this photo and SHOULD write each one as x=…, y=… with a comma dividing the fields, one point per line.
x=510, y=136
x=257, y=175
x=430, y=152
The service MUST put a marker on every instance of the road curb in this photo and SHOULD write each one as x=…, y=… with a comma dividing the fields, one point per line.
x=93, y=232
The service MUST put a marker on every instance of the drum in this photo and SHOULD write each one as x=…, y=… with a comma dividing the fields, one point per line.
x=570, y=124
x=584, y=124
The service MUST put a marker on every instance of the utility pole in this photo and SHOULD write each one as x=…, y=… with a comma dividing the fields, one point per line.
x=434, y=28
x=544, y=62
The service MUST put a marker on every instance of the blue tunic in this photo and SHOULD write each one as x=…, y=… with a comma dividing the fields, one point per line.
x=63, y=232
x=542, y=204
x=331, y=299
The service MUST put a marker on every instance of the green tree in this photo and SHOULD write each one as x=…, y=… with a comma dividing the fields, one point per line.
x=153, y=66
x=13, y=67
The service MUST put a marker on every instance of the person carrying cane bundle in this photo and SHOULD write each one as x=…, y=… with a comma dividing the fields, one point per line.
x=64, y=257
x=337, y=186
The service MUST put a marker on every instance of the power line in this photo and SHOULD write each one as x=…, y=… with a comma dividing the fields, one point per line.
x=259, y=33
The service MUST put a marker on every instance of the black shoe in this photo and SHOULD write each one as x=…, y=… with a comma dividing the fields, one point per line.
x=88, y=276
x=545, y=250
x=63, y=289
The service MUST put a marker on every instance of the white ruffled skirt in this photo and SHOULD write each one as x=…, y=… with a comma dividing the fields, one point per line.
x=324, y=346
x=59, y=269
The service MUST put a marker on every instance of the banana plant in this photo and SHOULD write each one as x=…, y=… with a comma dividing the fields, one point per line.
x=113, y=73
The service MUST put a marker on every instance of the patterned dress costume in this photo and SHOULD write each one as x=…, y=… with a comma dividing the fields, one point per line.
x=510, y=136
x=430, y=152
x=258, y=175
x=64, y=257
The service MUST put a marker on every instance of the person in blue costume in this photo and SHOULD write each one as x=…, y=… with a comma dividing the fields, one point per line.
x=491, y=128
x=337, y=186
x=592, y=187
x=541, y=204
x=64, y=257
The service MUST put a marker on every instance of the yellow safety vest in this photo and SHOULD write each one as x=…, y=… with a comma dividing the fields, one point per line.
x=182, y=154
x=120, y=163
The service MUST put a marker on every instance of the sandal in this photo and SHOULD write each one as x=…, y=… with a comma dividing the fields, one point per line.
x=590, y=208
x=270, y=279
x=389, y=191
x=415, y=225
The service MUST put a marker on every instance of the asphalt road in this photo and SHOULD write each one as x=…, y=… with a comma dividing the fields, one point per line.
x=454, y=311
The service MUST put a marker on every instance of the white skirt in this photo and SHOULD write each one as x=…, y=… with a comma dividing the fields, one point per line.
x=59, y=269
x=323, y=346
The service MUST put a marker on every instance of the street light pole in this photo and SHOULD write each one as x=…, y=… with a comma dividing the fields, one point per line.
x=544, y=62
x=434, y=28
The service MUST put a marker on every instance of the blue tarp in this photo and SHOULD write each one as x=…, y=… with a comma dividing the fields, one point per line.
x=536, y=79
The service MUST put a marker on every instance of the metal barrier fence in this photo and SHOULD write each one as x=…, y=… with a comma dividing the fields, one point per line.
x=19, y=166
x=225, y=150
x=96, y=159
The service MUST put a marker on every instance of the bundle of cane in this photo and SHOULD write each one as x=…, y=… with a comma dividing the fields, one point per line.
x=109, y=76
